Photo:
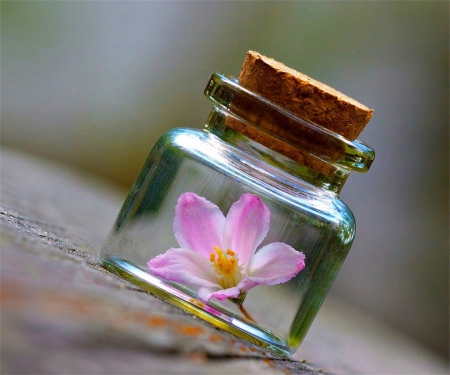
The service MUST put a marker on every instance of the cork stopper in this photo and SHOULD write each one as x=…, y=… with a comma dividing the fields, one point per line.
x=304, y=97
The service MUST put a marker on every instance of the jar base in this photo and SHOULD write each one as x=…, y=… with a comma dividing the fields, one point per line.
x=175, y=295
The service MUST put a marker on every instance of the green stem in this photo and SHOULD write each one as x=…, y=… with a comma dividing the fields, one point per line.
x=245, y=313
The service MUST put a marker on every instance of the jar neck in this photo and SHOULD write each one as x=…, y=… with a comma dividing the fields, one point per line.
x=332, y=181
x=280, y=139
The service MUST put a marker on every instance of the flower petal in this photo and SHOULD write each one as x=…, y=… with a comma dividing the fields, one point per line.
x=183, y=266
x=205, y=294
x=246, y=225
x=198, y=224
x=275, y=263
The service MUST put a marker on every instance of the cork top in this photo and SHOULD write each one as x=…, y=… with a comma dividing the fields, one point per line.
x=304, y=96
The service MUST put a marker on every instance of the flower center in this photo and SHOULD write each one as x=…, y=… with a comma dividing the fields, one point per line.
x=226, y=267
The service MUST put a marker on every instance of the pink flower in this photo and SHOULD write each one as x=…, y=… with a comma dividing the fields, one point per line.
x=218, y=254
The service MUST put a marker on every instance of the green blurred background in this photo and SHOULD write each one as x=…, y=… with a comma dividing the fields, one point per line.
x=93, y=84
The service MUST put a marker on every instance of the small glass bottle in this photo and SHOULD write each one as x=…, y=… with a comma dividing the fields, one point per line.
x=220, y=164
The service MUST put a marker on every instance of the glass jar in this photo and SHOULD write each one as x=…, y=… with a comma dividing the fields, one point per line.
x=221, y=164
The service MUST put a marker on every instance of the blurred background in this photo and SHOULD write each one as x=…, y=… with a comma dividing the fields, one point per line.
x=94, y=84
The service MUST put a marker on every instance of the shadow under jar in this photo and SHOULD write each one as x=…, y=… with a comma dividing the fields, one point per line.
x=221, y=163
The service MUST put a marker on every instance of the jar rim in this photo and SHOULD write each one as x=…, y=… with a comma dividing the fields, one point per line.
x=229, y=97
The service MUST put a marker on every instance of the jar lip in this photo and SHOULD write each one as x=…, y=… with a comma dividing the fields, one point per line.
x=226, y=94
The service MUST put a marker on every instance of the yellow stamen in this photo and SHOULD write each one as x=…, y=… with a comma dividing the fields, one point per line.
x=226, y=267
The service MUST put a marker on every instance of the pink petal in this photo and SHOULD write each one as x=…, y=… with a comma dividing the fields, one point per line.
x=246, y=225
x=183, y=266
x=275, y=263
x=205, y=294
x=198, y=224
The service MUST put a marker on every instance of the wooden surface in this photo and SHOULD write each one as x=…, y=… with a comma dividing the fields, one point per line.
x=62, y=313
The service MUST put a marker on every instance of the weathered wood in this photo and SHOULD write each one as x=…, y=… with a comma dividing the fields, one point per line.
x=63, y=313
